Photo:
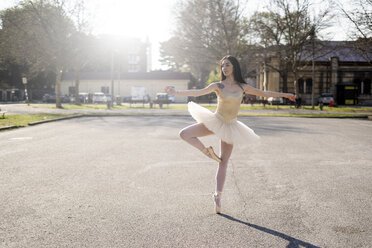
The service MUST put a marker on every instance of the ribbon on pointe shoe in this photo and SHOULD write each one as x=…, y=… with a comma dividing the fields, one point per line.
x=214, y=155
x=217, y=205
x=210, y=153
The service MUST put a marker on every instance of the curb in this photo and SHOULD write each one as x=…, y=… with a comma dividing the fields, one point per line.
x=96, y=115
x=10, y=127
x=57, y=119
x=368, y=117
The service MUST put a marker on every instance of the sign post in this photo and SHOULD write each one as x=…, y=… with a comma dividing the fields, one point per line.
x=24, y=81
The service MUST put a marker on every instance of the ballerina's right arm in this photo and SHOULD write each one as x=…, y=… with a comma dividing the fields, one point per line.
x=198, y=92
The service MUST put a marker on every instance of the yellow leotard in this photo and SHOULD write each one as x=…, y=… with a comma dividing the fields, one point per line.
x=229, y=104
x=223, y=122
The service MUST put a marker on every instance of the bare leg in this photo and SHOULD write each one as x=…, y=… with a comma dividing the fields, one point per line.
x=226, y=150
x=190, y=134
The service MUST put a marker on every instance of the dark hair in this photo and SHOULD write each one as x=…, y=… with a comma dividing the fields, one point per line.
x=236, y=69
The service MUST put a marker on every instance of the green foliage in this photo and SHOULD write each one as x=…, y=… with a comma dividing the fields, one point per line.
x=214, y=76
x=206, y=30
x=38, y=34
x=25, y=119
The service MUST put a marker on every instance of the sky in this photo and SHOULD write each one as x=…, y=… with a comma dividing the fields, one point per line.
x=153, y=19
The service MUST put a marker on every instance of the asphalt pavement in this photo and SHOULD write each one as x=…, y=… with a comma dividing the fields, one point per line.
x=132, y=182
x=140, y=109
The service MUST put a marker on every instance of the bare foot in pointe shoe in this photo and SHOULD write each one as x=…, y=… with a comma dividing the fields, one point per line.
x=217, y=202
x=211, y=154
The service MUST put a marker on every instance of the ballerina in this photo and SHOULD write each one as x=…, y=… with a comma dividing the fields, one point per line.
x=223, y=122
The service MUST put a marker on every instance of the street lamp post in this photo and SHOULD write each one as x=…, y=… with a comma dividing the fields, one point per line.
x=24, y=81
x=313, y=66
x=112, y=80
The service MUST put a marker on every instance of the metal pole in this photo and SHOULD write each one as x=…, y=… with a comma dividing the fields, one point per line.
x=112, y=73
x=119, y=78
x=313, y=69
x=24, y=81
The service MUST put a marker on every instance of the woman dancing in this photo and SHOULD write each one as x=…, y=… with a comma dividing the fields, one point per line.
x=223, y=122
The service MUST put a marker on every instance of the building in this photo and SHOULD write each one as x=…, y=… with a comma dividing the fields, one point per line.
x=121, y=84
x=340, y=69
x=124, y=54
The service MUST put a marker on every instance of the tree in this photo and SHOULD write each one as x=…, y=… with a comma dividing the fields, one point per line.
x=206, y=30
x=285, y=31
x=82, y=43
x=171, y=55
x=38, y=34
x=360, y=16
x=267, y=30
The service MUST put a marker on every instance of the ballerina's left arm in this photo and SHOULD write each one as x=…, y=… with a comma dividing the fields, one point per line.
x=254, y=91
x=197, y=92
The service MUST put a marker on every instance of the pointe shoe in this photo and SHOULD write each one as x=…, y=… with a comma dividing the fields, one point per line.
x=210, y=153
x=217, y=202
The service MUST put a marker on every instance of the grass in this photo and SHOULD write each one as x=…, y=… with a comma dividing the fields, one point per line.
x=25, y=119
x=309, y=108
x=288, y=111
x=309, y=115
x=366, y=110
x=345, y=110
x=92, y=106
x=71, y=106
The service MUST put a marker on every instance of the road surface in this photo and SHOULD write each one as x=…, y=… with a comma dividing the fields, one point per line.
x=132, y=182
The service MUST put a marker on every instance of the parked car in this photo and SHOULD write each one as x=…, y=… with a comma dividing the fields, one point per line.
x=83, y=97
x=99, y=97
x=326, y=98
x=161, y=98
x=51, y=97
x=170, y=97
x=127, y=99
x=108, y=98
x=275, y=100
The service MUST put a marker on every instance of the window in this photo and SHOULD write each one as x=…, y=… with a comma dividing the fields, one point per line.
x=366, y=86
x=105, y=89
x=133, y=68
x=71, y=90
x=358, y=82
x=133, y=59
x=300, y=85
x=309, y=86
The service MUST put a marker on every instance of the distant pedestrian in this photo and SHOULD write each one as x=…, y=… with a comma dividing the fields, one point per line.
x=223, y=122
x=298, y=101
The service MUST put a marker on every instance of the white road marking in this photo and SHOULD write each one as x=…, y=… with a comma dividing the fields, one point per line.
x=22, y=138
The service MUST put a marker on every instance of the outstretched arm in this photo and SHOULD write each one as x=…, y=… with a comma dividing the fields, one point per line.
x=254, y=91
x=198, y=92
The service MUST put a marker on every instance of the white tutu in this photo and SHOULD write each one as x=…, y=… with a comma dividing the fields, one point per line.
x=232, y=132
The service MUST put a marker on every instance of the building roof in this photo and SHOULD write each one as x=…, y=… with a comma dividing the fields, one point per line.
x=155, y=75
x=346, y=51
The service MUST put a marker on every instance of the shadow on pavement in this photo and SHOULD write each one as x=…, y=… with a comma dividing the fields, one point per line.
x=293, y=243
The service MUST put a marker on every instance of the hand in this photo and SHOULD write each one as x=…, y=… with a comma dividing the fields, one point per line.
x=170, y=91
x=291, y=97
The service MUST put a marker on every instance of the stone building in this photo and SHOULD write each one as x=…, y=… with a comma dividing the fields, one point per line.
x=340, y=69
x=154, y=82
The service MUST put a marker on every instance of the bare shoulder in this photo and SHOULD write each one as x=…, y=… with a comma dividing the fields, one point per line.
x=248, y=88
x=220, y=85
x=215, y=85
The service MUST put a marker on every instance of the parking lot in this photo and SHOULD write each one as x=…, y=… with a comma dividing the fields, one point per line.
x=131, y=182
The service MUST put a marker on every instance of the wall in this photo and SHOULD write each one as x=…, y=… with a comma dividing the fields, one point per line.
x=326, y=79
x=152, y=86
